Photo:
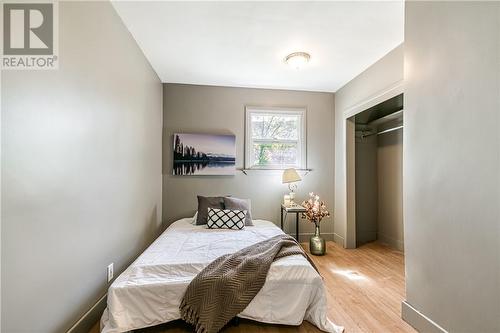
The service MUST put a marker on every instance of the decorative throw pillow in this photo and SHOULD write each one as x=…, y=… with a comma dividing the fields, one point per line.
x=207, y=202
x=226, y=218
x=240, y=204
x=195, y=217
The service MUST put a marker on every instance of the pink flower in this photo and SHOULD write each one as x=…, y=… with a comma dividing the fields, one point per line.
x=315, y=209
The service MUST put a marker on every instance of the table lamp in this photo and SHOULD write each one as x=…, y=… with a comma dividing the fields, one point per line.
x=290, y=176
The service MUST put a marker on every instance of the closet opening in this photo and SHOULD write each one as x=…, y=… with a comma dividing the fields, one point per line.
x=378, y=174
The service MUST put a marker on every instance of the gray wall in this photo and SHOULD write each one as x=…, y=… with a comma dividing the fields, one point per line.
x=81, y=170
x=379, y=82
x=390, y=189
x=451, y=164
x=206, y=109
x=366, y=189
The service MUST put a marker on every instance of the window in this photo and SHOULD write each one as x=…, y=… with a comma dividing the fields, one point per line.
x=275, y=138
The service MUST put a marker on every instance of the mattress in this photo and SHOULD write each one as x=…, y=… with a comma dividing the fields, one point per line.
x=150, y=290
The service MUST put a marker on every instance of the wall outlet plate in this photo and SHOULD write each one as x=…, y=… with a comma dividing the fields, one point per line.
x=110, y=272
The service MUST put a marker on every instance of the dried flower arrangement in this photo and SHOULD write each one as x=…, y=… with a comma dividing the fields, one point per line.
x=315, y=209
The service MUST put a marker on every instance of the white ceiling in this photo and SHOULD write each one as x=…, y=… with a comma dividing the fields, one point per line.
x=243, y=44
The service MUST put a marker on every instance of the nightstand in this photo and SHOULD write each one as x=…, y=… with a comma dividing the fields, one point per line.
x=297, y=209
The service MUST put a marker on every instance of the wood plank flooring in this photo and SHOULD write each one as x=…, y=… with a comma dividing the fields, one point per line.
x=365, y=288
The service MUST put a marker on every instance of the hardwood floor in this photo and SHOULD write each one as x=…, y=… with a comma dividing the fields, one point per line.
x=365, y=288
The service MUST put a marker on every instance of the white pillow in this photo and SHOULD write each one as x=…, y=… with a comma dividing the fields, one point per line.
x=195, y=217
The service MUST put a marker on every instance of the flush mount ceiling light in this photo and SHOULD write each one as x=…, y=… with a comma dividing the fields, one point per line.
x=297, y=60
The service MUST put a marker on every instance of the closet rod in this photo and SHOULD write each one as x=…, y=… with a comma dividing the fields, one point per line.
x=390, y=130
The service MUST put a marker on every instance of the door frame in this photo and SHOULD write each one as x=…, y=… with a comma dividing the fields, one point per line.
x=348, y=147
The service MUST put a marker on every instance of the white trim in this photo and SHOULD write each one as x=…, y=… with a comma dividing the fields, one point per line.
x=350, y=190
x=391, y=91
x=418, y=320
x=305, y=236
x=392, y=242
x=275, y=141
x=338, y=239
x=88, y=319
x=301, y=141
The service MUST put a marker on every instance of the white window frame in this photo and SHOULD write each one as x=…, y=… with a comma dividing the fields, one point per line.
x=302, y=135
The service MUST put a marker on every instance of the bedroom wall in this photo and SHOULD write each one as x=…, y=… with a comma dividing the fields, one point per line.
x=81, y=170
x=377, y=83
x=451, y=166
x=221, y=110
x=390, y=189
x=366, y=189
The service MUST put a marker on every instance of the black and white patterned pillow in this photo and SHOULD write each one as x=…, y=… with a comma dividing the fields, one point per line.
x=226, y=218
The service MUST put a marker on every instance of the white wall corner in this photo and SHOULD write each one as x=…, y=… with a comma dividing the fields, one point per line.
x=339, y=239
x=392, y=242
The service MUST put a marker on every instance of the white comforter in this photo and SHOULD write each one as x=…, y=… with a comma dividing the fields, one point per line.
x=149, y=291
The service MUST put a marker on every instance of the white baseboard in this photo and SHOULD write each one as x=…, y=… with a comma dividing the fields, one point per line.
x=304, y=237
x=92, y=316
x=394, y=243
x=339, y=239
x=418, y=320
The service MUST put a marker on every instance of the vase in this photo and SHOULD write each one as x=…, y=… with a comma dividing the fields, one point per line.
x=317, y=244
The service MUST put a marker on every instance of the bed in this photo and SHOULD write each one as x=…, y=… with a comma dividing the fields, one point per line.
x=149, y=292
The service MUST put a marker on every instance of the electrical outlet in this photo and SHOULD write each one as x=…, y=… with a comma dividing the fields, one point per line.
x=110, y=272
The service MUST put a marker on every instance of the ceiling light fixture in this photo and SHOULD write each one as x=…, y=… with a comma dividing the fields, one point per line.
x=297, y=59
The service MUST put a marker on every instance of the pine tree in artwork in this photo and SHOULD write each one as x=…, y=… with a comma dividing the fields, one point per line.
x=177, y=148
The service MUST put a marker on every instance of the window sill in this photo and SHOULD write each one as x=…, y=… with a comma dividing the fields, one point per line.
x=246, y=171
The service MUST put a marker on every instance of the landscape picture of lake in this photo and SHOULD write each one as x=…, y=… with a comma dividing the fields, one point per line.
x=204, y=154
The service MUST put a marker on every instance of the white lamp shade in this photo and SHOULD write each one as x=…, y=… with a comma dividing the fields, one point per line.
x=290, y=176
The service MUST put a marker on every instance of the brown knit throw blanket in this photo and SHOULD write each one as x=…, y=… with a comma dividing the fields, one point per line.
x=227, y=285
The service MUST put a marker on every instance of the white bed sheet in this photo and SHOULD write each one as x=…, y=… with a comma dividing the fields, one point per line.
x=149, y=292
